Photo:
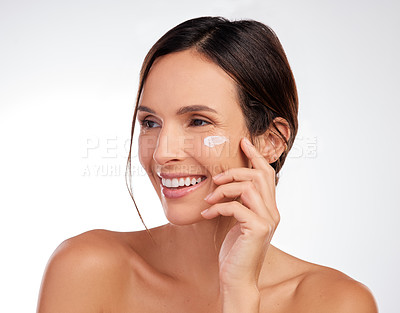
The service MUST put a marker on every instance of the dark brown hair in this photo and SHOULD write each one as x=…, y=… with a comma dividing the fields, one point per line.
x=252, y=55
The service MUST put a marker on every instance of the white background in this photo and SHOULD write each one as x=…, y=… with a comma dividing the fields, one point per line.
x=68, y=78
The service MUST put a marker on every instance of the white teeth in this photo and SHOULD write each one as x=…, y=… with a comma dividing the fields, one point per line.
x=174, y=182
x=187, y=181
x=179, y=182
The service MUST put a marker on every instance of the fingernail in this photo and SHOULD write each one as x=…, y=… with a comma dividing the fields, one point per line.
x=247, y=141
x=208, y=196
x=218, y=175
x=202, y=212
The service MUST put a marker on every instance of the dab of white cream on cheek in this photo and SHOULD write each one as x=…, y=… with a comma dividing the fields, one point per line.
x=212, y=141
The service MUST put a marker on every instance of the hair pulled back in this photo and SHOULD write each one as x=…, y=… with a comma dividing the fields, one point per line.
x=252, y=55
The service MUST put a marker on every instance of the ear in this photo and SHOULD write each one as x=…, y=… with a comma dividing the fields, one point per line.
x=270, y=144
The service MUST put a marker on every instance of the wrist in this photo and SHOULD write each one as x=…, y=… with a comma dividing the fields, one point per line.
x=243, y=299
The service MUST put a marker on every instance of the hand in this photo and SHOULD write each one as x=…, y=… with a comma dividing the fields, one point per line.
x=244, y=248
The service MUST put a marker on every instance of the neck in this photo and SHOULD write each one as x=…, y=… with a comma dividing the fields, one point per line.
x=191, y=251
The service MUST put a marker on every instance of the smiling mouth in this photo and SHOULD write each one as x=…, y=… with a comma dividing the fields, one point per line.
x=180, y=186
x=180, y=183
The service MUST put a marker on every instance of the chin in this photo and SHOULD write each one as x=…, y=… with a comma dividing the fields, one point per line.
x=183, y=214
x=182, y=220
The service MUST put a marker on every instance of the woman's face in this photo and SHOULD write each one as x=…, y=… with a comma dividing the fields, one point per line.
x=186, y=99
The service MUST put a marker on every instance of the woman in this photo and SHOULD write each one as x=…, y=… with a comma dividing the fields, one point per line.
x=217, y=106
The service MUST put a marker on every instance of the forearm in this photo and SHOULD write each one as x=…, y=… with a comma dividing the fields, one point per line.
x=240, y=300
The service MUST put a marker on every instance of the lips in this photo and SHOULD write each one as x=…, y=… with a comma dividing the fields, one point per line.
x=178, y=185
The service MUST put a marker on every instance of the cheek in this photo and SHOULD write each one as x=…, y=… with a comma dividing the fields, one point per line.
x=218, y=153
x=215, y=153
x=147, y=145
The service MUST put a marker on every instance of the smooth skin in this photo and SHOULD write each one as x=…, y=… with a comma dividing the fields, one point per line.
x=214, y=255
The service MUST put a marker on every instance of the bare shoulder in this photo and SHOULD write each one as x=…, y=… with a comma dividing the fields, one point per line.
x=323, y=289
x=86, y=272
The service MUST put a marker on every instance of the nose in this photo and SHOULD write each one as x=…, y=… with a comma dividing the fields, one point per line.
x=169, y=146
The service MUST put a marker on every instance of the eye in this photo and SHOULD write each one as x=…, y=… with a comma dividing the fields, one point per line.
x=198, y=122
x=149, y=124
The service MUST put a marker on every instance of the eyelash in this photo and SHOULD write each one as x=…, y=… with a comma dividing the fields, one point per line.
x=198, y=119
x=144, y=123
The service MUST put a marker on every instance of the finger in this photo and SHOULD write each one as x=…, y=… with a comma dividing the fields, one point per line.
x=264, y=183
x=256, y=158
x=233, y=208
x=247, y=192
x=261, y=178
x=234, y=174
x=248, y=219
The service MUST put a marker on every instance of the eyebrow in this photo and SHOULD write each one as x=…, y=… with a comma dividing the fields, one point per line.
x=145, y=109
x=182, y=110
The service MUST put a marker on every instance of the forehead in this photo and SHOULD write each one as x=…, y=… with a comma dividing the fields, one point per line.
x=187, y=78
